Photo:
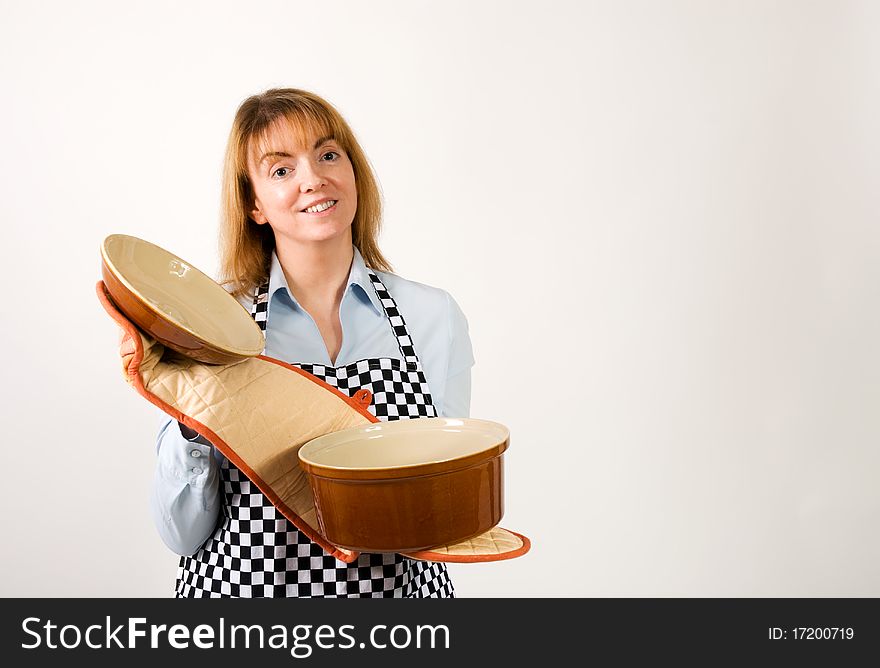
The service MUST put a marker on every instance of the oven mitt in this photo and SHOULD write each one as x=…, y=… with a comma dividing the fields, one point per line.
x=258, y=412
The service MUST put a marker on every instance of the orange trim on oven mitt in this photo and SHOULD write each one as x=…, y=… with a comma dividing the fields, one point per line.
x=258, y=412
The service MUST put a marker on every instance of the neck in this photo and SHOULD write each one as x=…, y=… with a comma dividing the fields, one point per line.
x=316, y=273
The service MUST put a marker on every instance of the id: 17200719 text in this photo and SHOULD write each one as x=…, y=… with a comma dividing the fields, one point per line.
x=811, y=633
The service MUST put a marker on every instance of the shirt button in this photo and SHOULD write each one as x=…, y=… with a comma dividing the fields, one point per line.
x=196, y=470
x=196, y=454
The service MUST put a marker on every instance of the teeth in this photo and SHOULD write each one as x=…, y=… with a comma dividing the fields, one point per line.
x=321, y=207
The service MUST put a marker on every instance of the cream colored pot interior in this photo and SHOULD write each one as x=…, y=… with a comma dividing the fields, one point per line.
x=403, y=443
x=187, y=297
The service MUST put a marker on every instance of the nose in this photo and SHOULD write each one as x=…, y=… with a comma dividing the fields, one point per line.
x=311, y=177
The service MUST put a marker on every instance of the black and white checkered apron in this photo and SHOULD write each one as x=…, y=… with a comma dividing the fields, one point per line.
x=257, y=552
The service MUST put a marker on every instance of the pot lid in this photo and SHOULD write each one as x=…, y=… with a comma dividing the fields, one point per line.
x=180, y=295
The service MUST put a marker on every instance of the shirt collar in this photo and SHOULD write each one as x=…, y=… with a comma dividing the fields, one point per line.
x=358, y=278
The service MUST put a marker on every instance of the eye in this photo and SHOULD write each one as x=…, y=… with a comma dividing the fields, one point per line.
x=280, y=173
x=334, y=153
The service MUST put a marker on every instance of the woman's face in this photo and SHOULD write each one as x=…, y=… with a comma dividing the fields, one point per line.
x=289, y=179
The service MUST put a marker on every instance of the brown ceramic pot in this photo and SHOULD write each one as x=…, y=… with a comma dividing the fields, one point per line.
x=407, y=485
x=177, y=304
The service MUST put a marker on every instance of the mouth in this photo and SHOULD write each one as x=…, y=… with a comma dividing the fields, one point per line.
x=322, y=207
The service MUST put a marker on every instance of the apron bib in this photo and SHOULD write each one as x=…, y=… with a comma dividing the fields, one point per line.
x=257, y=552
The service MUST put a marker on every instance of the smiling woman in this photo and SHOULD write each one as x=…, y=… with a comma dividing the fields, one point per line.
x=304, y=192
x=301, y=219
x=279, y=140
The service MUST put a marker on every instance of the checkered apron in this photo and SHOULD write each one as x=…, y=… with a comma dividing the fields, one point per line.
x=257, y=552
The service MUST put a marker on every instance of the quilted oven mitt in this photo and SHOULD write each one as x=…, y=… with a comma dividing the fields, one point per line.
x=258, y=412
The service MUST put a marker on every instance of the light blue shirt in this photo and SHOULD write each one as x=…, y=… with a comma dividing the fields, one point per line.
x=185, y=499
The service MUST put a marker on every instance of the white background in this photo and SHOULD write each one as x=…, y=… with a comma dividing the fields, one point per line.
x=661, y=220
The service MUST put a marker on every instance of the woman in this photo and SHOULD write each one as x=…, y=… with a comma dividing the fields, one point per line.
x=299, y=250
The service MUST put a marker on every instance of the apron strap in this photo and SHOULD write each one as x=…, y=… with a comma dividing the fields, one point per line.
x=398, y=326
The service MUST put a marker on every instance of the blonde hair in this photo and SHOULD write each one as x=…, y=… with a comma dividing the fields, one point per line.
x=246, y=247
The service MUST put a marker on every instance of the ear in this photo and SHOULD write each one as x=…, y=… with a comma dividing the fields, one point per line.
x=257, y=215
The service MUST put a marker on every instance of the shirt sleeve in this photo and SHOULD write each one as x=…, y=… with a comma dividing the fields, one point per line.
x=184, y=500
x=458, y=395
x=457, y=402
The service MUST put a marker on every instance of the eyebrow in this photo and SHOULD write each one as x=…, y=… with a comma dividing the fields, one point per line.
x=283, y=154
